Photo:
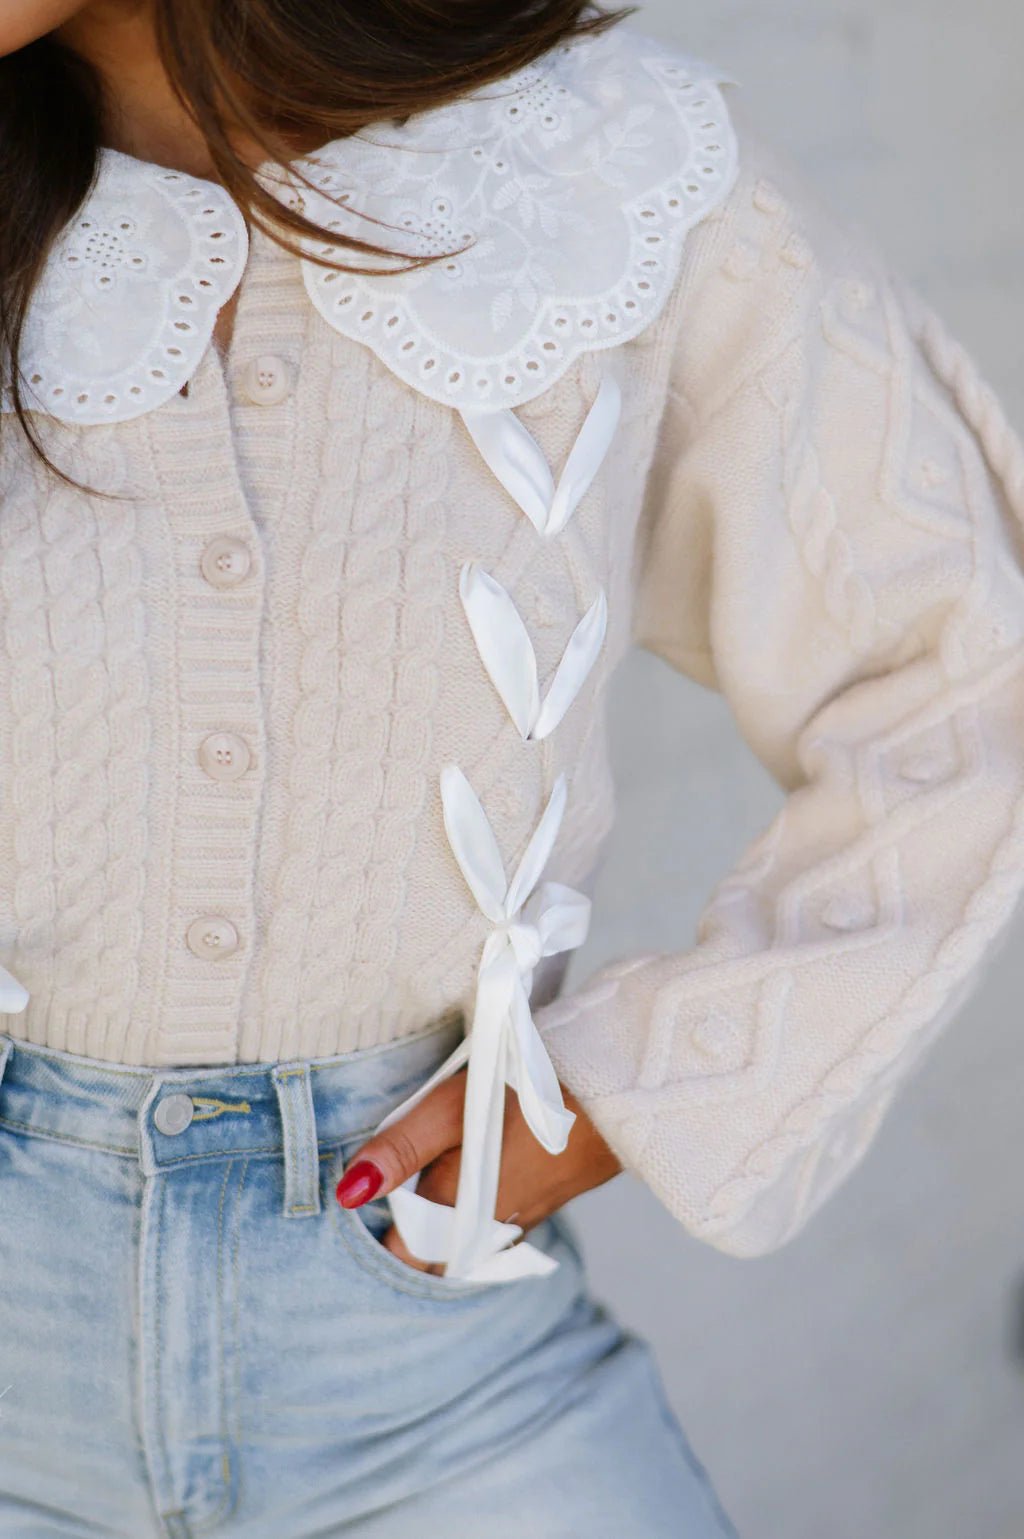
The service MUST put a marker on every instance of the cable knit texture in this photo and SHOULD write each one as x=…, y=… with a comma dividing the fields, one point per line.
x=812, y=504
x=831, y=537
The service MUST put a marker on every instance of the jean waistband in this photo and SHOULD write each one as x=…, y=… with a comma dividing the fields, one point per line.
x=170, y=1117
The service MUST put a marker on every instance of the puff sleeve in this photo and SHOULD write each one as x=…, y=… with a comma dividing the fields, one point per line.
x=832, y=539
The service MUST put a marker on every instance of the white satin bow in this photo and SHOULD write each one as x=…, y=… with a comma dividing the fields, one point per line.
x=502, y=1046
x=506, y=652
x=518, y=462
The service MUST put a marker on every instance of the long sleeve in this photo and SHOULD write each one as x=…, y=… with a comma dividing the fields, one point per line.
x=832, y=540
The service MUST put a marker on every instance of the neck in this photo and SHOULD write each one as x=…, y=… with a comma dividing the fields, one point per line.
x=144, y=117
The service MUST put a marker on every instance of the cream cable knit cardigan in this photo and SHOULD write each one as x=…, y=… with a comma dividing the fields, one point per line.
x=228, y=689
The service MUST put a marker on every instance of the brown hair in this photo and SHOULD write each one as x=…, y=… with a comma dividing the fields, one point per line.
x=268, y=68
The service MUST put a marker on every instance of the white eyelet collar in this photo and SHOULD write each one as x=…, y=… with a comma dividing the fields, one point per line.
x=575, y=180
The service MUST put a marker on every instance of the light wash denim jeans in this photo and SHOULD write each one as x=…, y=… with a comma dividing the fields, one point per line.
x=195, y=1339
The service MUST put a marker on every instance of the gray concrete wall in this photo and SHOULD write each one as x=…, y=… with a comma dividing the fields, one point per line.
x=868, y=1379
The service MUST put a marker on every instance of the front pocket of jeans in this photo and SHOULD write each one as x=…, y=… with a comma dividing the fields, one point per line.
x=362, y=1229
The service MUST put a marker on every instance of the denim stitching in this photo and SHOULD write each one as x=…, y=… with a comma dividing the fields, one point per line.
x=219, y=1154
x=289, y=1156
x=221, y=1508
x=298, y=1115
x=157, y=1355
x=235, y=1272
x=216, y=1107
x=370, y=1263
x=297, y=1131
x=148, y=1370
x=285, y=1113
x=278, y=1077
x=181, y=1159
x=418, y=1284
x=62, y=1138
x=310, y=1149
x=11, y=1047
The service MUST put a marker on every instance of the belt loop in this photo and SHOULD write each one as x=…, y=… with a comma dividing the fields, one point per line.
x=5, y=1052
x=298, y=1125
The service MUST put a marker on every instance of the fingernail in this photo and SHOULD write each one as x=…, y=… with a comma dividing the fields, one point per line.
x=359, y=1183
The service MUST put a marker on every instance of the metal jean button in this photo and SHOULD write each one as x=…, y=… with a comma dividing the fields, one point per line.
x=174, y=1113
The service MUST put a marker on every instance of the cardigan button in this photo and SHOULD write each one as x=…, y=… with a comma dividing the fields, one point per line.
x=265, y=380
x=212, y=937
x=224, y=755
x=226, y=561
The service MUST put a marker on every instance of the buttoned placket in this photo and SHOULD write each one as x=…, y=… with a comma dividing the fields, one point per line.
x=217, y=591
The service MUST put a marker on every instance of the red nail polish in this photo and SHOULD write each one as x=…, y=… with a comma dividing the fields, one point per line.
x=359, y=1183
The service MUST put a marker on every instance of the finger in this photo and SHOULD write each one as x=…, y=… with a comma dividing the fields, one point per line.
x=430, y=1128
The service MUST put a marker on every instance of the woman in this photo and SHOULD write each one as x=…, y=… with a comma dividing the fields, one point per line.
x=375, y=374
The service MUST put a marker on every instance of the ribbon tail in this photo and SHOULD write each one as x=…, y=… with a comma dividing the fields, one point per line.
x=537, y=852
x=484, y=1115
x=452, y=1063
x=503, y=643
x=429, y=1224
x=532, y=1075
x=509, y=1265
x=588, y=453
x=514, y=456
x=502, y=1047
x=473, y=843
x=426, y=1227
x=466, y=1235
x=572, y=672
x=481, y=1248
